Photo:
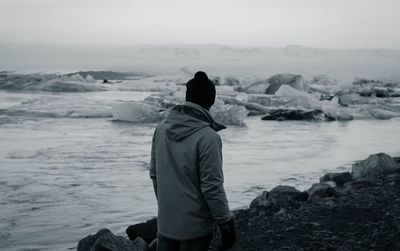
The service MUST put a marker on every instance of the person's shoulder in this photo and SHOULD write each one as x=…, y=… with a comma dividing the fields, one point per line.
x=209, y=134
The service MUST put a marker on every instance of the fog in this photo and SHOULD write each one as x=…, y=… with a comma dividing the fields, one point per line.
x=335, y=24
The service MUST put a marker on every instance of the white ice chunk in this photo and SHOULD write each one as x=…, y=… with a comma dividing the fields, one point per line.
x=383, y=114
x=137, y=112
x=50, y=83
x=76, y=77
x=61, y=106
x=227, y=114
x=298, y=98
x=89, y=79
x=243, y=97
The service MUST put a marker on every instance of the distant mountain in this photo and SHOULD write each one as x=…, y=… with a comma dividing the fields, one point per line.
x=259, y=61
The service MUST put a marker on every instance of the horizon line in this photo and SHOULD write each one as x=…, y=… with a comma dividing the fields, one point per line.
x=194, y=45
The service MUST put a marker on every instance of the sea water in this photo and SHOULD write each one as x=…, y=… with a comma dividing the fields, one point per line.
x=64, y=178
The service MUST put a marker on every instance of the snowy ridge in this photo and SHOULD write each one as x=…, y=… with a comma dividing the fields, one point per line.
x=259, y=61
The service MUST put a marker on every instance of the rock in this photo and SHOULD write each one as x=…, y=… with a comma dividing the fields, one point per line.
x=285, y=190
x=375, y=166
x=105, y=240
x=357, y=184
x=146, y=230
x=287, y=114
x=280, y=197
x=321, y=190
x=339, y=178
x=293, y=80
x=260, y=201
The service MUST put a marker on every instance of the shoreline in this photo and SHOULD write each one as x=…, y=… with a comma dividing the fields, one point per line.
x=343, y=211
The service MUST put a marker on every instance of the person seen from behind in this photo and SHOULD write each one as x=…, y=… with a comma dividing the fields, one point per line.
x=186, y=170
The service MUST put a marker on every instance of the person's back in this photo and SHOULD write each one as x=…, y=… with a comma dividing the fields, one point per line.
x=186, y=168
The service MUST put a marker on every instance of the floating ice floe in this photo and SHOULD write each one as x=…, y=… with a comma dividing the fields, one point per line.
x=228, y=114
x=48, y=83
x=333, y=109
x=323, y=84
x=259, y=86
x=383, y=114
x=137, y=112
x=61, y=107
x=277, y=81
x=288, y=91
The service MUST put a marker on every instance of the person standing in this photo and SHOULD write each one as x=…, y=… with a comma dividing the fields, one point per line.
x=187, y=175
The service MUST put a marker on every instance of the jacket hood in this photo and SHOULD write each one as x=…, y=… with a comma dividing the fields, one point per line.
x=184, y=120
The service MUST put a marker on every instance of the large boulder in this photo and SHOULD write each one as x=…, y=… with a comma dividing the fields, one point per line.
x=105, y=240
x=279, y=197
x=146, y=230
x=357, y=184
x=321, y=190
x=293, y=80
x=375, y=166
x=339, y=178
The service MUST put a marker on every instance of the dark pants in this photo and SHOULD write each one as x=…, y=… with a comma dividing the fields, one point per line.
x=197, y=244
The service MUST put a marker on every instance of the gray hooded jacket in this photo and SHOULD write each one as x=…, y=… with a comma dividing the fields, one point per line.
x=186, y=169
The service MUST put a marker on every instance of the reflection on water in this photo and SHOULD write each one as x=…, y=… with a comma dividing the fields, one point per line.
x=61, y=179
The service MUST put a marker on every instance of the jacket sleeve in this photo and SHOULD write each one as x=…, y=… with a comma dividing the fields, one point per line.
x=153, y=174
x=212, y=177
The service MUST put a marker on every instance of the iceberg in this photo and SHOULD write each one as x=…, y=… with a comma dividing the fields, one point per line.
x=323, y=84
x=61, y=107
x=333, y=109
x=292, y=80
x=48, y=83
x=297, y=98
x=228, y=114
x=259, y=86
x=383, y=114
x=137, y=112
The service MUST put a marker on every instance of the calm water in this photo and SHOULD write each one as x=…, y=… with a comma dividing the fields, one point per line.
x=63, y=178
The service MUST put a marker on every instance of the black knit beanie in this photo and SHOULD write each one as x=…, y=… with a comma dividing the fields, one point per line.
x=201, y=90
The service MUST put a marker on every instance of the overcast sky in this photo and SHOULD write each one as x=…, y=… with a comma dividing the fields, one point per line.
x=274, y=23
